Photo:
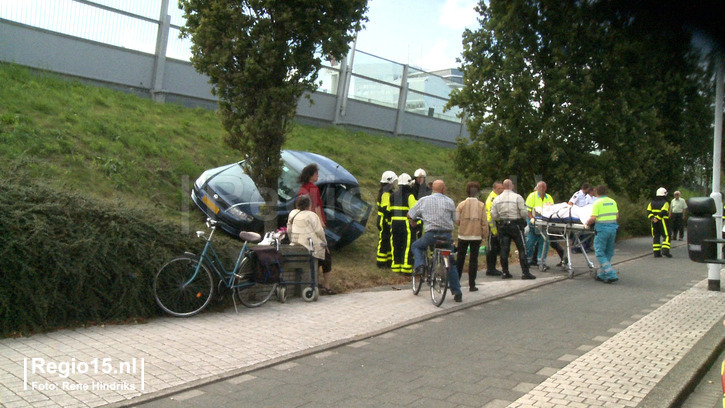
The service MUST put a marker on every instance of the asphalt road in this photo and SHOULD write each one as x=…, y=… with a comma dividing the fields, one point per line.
x=488, y=355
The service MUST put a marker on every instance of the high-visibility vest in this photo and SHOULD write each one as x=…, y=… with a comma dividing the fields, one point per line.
x=606, y=210
x=491, y=222
x=534, y=200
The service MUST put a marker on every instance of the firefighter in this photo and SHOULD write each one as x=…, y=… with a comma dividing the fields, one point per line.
x=401, y=201
x=420, y=188
x=658, y=213
x=387, y=186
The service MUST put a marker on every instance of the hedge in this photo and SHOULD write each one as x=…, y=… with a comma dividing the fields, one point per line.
x=68, y=260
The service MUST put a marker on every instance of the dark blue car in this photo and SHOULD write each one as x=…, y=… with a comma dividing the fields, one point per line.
x=228, y=194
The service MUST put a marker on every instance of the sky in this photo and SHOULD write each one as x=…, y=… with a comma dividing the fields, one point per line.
x=422, y=33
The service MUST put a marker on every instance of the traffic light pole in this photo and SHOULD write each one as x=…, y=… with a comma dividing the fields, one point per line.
x=713, y=270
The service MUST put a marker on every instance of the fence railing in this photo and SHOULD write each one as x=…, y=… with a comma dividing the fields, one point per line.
x=136, y=44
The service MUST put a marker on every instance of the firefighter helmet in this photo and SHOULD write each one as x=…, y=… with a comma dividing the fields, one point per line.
x=404, y=179
x=419, y=173
x=661, y=192
x=388, y=177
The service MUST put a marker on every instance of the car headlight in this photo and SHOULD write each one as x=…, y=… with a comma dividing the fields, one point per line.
x=239, y=214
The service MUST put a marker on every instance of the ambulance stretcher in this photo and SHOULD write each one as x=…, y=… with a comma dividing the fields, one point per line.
x=563, y=223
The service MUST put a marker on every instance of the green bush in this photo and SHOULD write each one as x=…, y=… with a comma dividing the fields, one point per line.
x=633, y=220
x=66, y=259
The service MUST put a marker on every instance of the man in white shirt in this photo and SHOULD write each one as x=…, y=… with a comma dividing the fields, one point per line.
x=579, y=198
x=678, y=208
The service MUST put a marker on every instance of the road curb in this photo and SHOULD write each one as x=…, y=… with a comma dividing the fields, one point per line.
x=684, y=377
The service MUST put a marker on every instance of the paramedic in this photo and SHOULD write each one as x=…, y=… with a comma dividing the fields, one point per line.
x=401, y=201
x=494, y=244
x=438, y=213
x=658, y=213
x=604, y=218
x=537, y=199
x=387, y=186
x=678, y=208
x=509, y=212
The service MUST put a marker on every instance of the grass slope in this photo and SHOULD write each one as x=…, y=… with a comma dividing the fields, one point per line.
x=108, y=145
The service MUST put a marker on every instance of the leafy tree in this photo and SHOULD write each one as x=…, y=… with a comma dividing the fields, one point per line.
x=579, y=91
x=261, y=56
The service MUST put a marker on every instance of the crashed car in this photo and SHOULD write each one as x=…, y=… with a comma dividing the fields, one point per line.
x=229, y=195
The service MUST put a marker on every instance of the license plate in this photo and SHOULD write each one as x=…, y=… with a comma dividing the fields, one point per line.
x=209, y=203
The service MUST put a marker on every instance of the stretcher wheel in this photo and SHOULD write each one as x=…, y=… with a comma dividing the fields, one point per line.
x=282, y=294
x=310, y=294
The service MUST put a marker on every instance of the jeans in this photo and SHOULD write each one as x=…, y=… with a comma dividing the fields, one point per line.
x=535, y=239
x=604, y=250
x=420, y=247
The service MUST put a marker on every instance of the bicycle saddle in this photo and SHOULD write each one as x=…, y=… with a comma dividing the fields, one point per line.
x=250, y=236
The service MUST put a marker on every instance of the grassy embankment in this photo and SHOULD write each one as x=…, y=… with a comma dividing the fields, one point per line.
x=114, y=147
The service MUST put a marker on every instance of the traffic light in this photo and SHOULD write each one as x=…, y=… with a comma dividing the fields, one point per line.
x=701, y=231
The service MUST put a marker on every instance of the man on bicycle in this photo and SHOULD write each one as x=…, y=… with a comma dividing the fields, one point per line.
x=438, y=213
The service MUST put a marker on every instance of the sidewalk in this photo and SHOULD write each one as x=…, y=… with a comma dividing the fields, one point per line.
x=95, y=366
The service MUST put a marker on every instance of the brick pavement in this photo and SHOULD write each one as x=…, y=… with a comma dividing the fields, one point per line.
x=624, y=369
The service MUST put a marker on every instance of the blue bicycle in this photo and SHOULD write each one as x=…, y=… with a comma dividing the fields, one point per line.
x=184, y=286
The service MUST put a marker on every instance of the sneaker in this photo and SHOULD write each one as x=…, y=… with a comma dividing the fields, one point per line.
x=506, y=275
x=494, y=272
x=543, y=268
x=458, y=297
x=528, y=276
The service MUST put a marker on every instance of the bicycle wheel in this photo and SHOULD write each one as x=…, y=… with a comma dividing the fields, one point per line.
x=418, y=281
x=439, y=284
x=253, y=294
x=179, y=291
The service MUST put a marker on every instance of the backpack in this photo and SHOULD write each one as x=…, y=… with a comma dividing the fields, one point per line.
x=267, y=264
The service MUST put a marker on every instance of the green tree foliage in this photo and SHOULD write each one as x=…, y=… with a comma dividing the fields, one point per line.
x=261, y=56
x=580, y=91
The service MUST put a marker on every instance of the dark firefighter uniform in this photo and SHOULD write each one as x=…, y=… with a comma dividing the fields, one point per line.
x=401, y=201
x=658, y=212
x=385, y=252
